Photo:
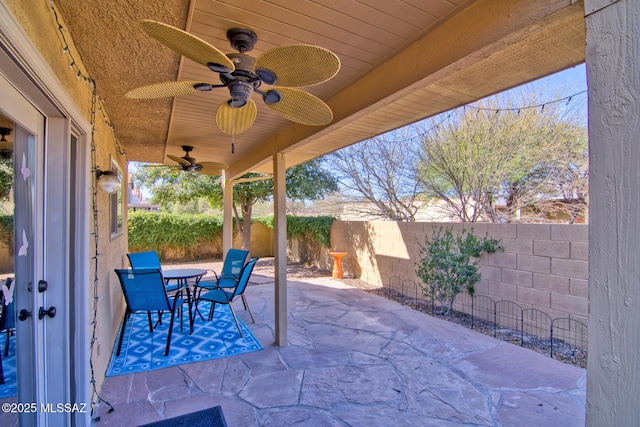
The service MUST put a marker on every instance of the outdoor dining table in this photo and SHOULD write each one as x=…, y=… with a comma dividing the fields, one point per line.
x=182, y=276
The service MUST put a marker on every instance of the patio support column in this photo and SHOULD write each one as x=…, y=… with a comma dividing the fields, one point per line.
x=613, y=67
x=227, y=213
x=280, y=247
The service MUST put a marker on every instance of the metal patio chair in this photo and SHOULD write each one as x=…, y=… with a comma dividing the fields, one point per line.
x=7, y=320
x=229, y=276
x=226, y=295
x=144, y=290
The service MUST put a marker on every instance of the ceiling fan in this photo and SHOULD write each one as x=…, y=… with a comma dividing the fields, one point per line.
x=283, y=68
x=188, y=163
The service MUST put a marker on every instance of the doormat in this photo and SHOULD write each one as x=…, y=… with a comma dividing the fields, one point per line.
x=215, y=339
x=9, y=388
x=212, y=417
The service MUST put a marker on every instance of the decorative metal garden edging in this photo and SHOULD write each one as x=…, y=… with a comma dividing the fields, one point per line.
x=565, y=338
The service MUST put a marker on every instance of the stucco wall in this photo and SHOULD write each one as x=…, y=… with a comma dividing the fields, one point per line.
x=261, y=240
x=543, y=266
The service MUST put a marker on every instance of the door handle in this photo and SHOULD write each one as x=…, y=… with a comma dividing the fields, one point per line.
x=51, y=312
x=24, y=315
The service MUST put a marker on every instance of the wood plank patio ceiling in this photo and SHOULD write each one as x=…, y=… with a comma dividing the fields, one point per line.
x=402, y=60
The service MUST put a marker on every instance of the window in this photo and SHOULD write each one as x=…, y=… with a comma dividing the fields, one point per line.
x=116, y=207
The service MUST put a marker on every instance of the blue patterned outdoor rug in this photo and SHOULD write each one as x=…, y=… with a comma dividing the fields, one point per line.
x=9, y=388
x=144, y=351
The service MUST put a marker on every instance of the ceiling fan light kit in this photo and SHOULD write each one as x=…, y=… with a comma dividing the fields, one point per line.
x=283, y=68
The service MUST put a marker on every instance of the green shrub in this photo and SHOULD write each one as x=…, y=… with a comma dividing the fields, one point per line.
x=6, y=230
x=153, y=230
x=313, y=228
x=316, y=228
x=160, y=230
x=446, y=264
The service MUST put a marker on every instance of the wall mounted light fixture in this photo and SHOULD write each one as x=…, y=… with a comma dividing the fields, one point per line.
x=108, y=181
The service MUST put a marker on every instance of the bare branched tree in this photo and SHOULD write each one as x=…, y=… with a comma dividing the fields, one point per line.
x=379, y=176
x=493, y=161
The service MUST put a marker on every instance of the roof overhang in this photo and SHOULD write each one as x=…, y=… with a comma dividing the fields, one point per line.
x=401, y=62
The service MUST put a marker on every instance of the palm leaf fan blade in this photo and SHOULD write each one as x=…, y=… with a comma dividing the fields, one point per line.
x=165, y=90
x=298, y=65
x=187, y=44
x=234, y=121
x=302, y=107
x=179, y=160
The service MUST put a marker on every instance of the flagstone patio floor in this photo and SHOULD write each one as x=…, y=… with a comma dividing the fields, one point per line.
x=356, y=359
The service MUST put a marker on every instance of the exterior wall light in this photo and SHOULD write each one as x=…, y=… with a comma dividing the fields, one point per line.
x=108, y=181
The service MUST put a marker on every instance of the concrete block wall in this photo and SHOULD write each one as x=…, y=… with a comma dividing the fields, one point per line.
x=543, y=266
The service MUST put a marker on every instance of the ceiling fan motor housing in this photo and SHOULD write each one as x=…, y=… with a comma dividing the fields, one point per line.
x=243, y=80
x=240, y=92
x=244, y=64
x=192, y=166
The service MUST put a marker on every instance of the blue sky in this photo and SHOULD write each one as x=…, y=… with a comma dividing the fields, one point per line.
x=559, y=85
x=572, y=77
